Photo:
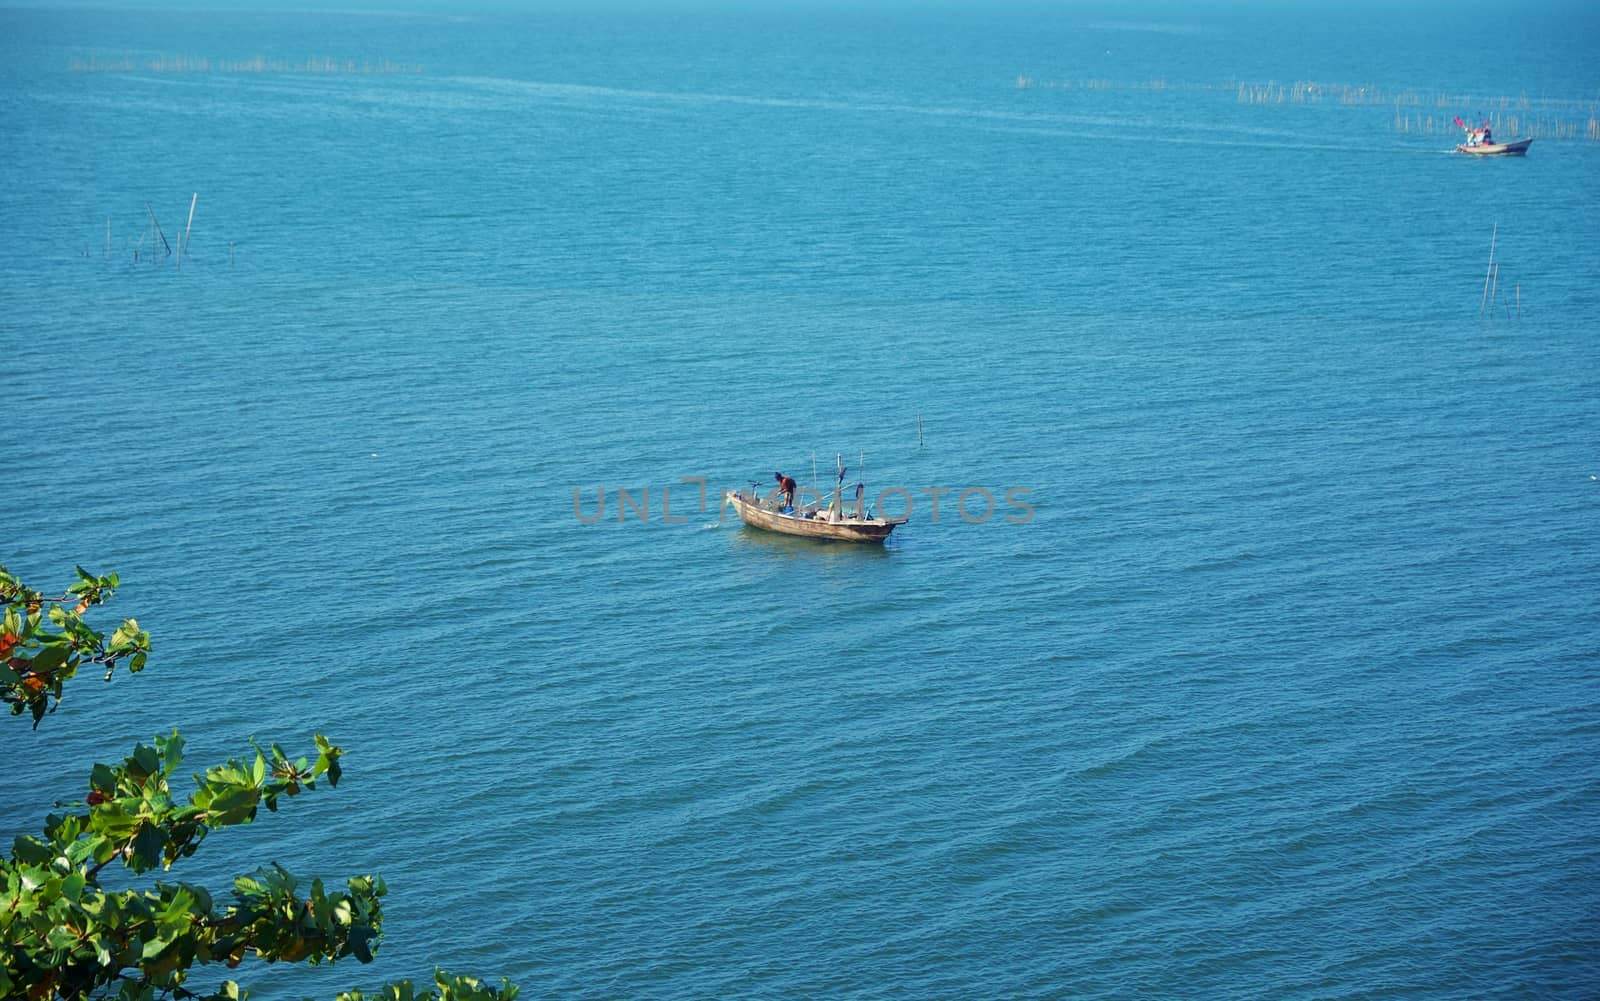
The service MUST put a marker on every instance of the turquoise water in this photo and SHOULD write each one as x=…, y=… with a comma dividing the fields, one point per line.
x=1286, y=688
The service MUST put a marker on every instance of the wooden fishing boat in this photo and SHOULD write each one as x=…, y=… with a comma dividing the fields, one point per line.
x=812, y=521
x=830, y=523
x=1517, y=148
x=1480, y=142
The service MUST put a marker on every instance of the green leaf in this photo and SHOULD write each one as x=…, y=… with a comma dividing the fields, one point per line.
x=234, y=805
x=50, y=660
x=328, y=756
x=147, y=846
x=145, y=759
x=72, y=886
x=60, y=938
x=178, y=910
x=31, y=851
x=171, y=751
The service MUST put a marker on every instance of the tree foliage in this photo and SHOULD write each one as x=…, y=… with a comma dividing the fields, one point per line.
x=43, y=642
x=65, y=936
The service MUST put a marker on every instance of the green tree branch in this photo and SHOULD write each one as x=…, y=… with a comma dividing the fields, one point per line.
x=64, y=937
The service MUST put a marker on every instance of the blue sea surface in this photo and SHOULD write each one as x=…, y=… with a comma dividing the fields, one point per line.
x=1274, y=671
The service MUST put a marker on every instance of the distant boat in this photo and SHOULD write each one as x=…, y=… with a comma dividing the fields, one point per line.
x=1481, y=143
x=813, y=521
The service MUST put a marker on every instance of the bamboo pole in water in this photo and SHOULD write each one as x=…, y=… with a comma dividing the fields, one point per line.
x=183, y=247
x=1494, y=292
x=157, y=225
x=1488, y=271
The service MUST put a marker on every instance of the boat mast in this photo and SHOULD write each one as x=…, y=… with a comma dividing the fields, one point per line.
x=861, y=484
x=838, y=489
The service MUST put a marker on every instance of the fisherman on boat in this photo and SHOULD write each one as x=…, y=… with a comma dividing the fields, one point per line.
x=834, y=523
x=1480, y=139
x=786, y=489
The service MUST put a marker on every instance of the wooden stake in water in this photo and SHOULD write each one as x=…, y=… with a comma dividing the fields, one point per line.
x=157, y=224
x=1488, y=271
x=183, y=247
x=919, y=430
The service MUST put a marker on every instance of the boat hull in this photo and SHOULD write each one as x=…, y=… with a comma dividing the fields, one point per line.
x=753, y=513
x=1518, y=148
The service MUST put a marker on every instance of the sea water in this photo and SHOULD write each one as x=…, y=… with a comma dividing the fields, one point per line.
x=1271, y=672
